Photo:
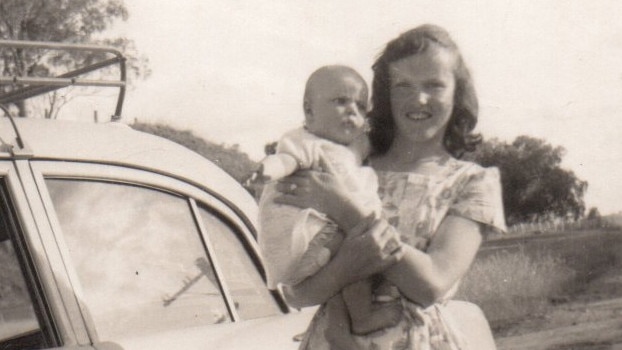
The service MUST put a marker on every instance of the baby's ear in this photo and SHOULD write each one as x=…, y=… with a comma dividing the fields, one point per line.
x=306, y=106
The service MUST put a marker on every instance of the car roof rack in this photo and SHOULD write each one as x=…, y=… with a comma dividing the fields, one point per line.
x=33, y=86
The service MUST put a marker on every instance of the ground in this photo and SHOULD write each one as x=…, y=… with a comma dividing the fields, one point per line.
x=591, y=320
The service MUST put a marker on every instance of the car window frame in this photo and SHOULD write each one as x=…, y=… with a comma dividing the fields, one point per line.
x=34, y=263
x=50, y=169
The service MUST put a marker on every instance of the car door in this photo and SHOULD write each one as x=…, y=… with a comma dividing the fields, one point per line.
x=141, y=253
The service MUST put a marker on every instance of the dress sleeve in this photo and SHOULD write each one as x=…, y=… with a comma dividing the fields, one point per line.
x=480, y=200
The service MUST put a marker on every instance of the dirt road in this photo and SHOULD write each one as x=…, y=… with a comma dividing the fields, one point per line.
x=592, y=321
x=594, y=325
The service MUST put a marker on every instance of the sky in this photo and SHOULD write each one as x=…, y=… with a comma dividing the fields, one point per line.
x=233, y=71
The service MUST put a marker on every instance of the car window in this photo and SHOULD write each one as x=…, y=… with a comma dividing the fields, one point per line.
x=246, y=286
x=19, y=326
x=17, y=316
x=140, y=261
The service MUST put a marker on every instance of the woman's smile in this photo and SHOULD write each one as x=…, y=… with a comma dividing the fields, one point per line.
x=418, y=115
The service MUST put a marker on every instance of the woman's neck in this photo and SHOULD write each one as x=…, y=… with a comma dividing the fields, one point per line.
x=410, y=156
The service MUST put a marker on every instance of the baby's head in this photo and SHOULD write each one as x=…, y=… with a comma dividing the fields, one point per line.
x=335, y=104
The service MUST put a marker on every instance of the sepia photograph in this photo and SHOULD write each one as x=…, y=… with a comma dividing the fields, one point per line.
x=237, y=174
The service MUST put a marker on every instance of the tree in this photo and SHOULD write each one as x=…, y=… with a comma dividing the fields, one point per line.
x=68, y=21
x=535, y=186
x=230, y=159
x=594, y=214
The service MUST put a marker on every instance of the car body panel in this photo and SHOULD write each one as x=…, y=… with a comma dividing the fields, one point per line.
x=115, y=152
x=117, y=143
x=263, y=333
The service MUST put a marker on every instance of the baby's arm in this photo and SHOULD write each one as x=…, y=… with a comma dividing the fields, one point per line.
x=276, y=166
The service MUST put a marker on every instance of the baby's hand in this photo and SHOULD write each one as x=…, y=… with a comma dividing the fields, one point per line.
x=258, y=178
x=256, y=182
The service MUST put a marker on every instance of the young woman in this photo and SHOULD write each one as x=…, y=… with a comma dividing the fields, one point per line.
x=424, y=112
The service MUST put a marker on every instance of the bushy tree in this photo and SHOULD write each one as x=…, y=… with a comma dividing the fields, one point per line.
x=67, y=21
x=535, y=186
x=230, y=159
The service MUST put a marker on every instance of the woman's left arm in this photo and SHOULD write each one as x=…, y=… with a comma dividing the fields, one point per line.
x=426, y=277
x=423, y=277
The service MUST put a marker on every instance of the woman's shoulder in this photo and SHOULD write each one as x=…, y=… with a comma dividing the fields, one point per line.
x=479, y=195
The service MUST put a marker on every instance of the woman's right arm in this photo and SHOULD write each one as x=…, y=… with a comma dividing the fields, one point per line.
x=359, y=257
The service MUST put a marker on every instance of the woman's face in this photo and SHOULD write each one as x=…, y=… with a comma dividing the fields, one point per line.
x=422, y=94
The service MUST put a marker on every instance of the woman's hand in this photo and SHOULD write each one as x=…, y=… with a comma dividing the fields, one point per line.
x=370, y=251
x=324, y=191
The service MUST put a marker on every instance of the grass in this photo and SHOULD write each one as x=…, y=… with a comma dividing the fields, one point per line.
x=509, y=285
x=524, y=279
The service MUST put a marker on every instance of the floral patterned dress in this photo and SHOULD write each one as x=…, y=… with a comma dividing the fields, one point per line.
x=415, y=205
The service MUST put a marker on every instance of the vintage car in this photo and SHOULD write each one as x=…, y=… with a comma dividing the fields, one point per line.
x=111, y=238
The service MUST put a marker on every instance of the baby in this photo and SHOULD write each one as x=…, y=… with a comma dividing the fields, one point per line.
x=296, y=243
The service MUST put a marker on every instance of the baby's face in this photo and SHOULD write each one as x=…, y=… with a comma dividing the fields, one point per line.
x=338, y=108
